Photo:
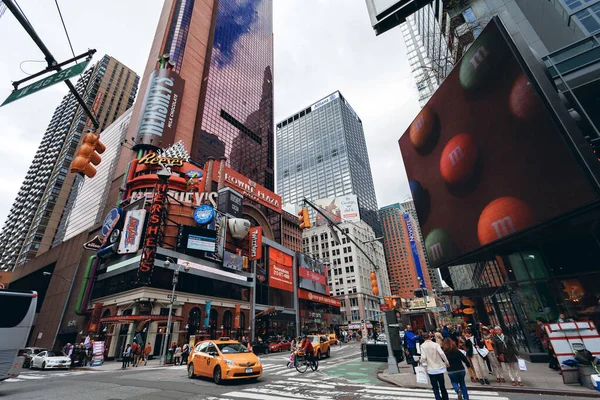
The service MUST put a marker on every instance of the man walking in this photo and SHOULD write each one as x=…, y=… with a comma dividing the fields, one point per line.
x=410, y=340
x=126, y=355
x=436, y=362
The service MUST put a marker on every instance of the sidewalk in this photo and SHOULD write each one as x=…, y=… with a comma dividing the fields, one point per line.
x=538, y=379
x=111, y=366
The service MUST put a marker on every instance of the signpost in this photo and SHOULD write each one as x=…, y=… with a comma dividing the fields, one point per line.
x=48, y=81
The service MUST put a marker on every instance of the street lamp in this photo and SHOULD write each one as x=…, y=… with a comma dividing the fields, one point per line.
x=186, y=268
x=392, y=362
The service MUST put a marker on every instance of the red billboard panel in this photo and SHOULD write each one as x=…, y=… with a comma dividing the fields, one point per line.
x=280, y=270
x=484, y=158
x=312, y=274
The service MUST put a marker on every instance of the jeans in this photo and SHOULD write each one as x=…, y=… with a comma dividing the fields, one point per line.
x=458, y=382
x=413, y=352
x=125, y=362
x=439, y=386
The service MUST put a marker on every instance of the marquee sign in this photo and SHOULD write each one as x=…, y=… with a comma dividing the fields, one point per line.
x=319, y=298
x=152, y=234
x=155, y=159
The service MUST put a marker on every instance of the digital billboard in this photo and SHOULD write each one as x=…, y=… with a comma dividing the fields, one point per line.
x=338, y=209
x=280, y=270
x=484, y=157
x=312, y=274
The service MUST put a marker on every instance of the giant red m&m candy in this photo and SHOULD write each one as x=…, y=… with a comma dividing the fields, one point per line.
x=502, y=217
x=522, y=101
x=458, y=159
x=421, y=130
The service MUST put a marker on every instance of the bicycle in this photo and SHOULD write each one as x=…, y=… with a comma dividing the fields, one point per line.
x=301, y=362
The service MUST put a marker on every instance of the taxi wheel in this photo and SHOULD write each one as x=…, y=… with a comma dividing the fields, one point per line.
x=191, y=371
x=217, y=375
x=328, y=353
x=319, y=355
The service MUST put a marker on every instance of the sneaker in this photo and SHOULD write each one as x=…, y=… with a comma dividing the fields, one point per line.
x=482, y=382
x=486, y=381
x=459, y=394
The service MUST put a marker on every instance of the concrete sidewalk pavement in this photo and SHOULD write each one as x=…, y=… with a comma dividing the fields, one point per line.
x=538, y=379
x=116, y=366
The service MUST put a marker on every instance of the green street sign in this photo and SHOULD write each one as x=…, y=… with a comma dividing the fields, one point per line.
x=46, y=82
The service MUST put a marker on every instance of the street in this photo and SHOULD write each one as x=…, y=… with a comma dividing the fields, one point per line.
x=333, y=381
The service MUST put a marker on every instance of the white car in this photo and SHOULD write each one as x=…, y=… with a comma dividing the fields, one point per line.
x=50, y=359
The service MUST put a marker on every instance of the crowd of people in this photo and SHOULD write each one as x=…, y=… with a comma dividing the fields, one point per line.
x=135, y=354
x=480, y=351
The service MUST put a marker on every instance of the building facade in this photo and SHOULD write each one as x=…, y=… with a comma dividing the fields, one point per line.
x=109, y=89
x=291, y=234
x=349, y=270
x=407, y=265
x=322, y=152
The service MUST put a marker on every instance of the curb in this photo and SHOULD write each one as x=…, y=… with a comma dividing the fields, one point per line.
x=546, y=392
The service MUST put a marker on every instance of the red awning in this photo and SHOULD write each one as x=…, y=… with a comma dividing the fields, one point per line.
x=128, y=319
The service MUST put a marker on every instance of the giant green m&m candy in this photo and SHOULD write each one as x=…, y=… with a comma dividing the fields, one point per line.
x=440, y=246
x=479, y=66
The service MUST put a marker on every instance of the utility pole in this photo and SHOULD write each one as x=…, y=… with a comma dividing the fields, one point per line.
x=392, y=363
x=53, y=65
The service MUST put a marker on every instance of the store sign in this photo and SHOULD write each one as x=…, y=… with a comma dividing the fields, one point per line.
x=204, y=214
x=95, y=244
x=255, y=243
x=152, y=234
x=160, y=110
x=249, y=188
x=132, y=231
x=189, y=198
x=230, y=202
x=194, y=174
x=110, y=222
x=325, y=101
x=306, y=295
x=155, y=159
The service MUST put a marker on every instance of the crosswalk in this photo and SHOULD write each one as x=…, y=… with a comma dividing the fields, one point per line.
x=322, y=387
x=37, y=376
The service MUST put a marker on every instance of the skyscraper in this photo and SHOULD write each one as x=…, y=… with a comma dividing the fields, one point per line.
x=407, y=265
x=321, y=152
x=109, y=89
x=223, y=50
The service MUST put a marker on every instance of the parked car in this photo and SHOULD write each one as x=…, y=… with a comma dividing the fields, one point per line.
x=320, y=345
x=223, y=360
x=260, y=347
x=28, y=353
x=381, y=337
x=333, y=340
x=50, y=359
x=279, y=345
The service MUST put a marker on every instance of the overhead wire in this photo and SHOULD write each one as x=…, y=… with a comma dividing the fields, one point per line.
x=65, y=28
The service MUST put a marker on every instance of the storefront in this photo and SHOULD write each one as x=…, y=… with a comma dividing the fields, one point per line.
x=319, y=313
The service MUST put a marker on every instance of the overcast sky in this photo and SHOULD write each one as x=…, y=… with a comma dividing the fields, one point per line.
x=320, y=46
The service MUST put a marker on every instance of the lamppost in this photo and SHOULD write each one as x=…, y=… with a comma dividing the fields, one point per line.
x=186, y=268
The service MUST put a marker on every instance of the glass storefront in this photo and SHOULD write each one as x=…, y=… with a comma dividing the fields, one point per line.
x=277, y=324
x=319, y=318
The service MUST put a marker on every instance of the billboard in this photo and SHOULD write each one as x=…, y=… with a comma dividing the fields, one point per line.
x=413, y=246
x=338, y=209
x=484, y=158
x=280, y=270
x=312, y=274
x=132, y=231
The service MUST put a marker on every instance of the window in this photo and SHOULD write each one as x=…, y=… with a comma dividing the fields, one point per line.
x=469, y=15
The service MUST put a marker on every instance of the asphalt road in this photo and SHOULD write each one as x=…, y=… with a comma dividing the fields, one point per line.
x=333, y=381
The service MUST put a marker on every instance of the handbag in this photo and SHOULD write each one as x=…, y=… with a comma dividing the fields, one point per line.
x=501, y=357
x=409, y=357
x=522, y=365
x=483, y=352
x=421, y=375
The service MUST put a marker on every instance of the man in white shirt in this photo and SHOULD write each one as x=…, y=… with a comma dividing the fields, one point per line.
x=434, y=359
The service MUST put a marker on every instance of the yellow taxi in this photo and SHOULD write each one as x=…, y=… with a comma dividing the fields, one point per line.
x=321, y=345
x=333, y=340
x=223, y=359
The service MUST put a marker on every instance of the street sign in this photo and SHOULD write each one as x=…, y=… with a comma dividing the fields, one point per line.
x=384, y=307
x=46, y=82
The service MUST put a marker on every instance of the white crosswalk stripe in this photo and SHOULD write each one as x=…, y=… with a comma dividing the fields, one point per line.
x=319, y=387
x=38, y=376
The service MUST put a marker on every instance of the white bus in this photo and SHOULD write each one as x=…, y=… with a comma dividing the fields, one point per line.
x=17, y=310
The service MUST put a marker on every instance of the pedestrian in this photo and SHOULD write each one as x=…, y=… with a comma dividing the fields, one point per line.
x=410, y=342
x=434, y=359
x=185, y=353
x=139, y=355
x=439, y=339
x=177, y=355
x=488, y=341
x=134, y=353
x=147, y=351
x=126, y=355
x=467, y=347
x=456, y=370
x=507, y=354
x=478, y=356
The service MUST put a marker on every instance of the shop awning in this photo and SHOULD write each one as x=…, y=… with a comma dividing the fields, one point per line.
x=128, y=319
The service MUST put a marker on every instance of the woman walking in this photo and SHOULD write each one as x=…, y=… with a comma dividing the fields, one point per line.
x=177, y=355
x=456, y=370
x=434, y=359
x=507, y=354
x=487, y=339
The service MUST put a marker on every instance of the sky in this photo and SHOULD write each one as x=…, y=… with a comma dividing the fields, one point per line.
x=320, y=46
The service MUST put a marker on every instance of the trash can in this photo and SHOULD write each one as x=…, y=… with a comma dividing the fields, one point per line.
x=585, y=376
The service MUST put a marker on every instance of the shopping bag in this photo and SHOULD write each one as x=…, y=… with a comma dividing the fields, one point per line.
x=483, y=352
x=522, y=365
x=421, y=375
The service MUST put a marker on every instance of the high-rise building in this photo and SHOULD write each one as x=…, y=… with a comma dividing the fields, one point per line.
x=223, y=50
x=109, y=89
x=322, y=152
x=85, y=206
x=349, y=270
x=404, y=251
x=291, y=234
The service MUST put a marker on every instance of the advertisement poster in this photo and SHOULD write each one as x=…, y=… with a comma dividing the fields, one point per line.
x=132, y=231
x=312, y=274
x=338, y=209
x=98, y=354
x=280, y=270
x=233, y=261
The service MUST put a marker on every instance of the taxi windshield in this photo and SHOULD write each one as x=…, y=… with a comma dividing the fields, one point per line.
x=229, y=348
x=315, y=339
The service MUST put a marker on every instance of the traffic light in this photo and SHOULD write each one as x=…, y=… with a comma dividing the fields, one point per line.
x=303, y=219
x=390, y=302
x=374, y=284
x=88, y=152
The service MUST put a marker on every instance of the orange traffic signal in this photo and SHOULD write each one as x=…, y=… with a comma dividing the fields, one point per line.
x=88, y=152
x=303, y=219
x=374, y=284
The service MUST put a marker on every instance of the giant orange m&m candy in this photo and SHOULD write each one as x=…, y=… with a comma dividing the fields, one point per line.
x=421, y=130
x=502, y=217
x=458, y=159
